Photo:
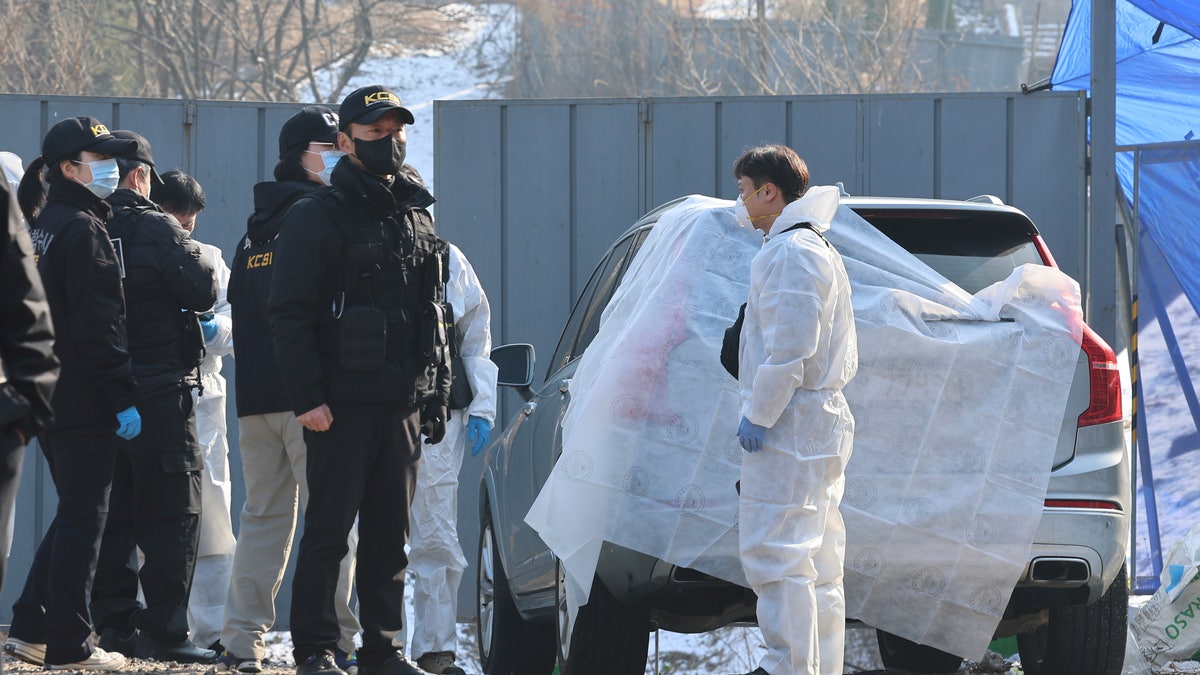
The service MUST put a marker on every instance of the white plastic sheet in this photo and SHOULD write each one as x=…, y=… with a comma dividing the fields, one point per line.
x=958, y=405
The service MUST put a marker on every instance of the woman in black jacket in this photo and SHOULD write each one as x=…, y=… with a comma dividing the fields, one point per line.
x=93, y=401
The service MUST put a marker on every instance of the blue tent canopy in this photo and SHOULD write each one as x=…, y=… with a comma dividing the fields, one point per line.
x=1158, y=101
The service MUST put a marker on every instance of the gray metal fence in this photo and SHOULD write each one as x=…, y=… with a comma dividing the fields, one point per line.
x=534, y=191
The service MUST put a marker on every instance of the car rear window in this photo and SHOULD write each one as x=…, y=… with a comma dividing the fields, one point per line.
x=972, y=249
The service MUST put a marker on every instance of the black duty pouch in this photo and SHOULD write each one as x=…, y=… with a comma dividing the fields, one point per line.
x=362, y=338
x=434, y=342
x=461, y=393
x=191, y=344
x=731, y=343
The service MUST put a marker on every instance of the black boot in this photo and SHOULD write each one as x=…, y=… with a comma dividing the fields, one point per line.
x=179, y=651
x=394, y=664
x=320, y=663
x=119, y=639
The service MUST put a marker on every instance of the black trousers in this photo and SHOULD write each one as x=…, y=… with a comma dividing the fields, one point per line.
x=53, y=608
x=364, y=465
x=155, y=506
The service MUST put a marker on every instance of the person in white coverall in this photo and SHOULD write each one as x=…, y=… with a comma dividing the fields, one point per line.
x=182, y=197
x=798, y=350
x=436, y=558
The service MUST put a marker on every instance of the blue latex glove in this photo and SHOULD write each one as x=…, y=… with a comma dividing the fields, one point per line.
x=208, y=324
x=751, y=436
x=478, y=430
x=129, y=423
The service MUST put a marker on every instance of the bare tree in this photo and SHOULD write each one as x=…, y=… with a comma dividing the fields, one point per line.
x=669, y=47
x=48, y=47
x=273, y=50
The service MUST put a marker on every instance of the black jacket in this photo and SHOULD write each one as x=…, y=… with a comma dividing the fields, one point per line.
x=165, y=274
x=357, y=244
x=82, y=279
x=27, y=358
x=256, y=380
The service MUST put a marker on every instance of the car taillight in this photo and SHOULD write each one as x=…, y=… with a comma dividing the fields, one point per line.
x=1104, y=381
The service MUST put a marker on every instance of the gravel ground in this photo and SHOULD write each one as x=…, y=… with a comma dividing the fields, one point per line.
x=726, y=650
x=733, y=649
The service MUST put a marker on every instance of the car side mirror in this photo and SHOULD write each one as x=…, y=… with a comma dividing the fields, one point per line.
x=515, y=365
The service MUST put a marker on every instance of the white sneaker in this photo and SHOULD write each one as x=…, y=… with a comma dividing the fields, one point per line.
x=33, y=653
x=99, y=660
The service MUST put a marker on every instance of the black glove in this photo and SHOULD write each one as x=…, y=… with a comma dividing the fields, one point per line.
x=433, y=422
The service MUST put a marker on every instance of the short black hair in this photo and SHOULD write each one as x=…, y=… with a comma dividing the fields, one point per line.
x=776, y=164
x=179, y=193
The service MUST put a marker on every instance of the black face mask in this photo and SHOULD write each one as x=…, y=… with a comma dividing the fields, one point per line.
x=382, y=157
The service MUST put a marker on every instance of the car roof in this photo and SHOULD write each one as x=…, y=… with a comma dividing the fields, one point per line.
x=883, y=206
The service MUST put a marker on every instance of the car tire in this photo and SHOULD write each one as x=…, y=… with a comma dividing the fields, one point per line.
x=902, y=654
x=508, y=644
x=1081, y=640
x=608, y=637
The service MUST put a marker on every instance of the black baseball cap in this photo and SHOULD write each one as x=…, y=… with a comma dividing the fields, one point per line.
x=141, y=153
x=313, y=124
x=76, y=134
x=365, y=105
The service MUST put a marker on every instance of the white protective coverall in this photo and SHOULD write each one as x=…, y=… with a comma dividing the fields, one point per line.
x=214, y=557
x=798, y=350
x=959, y=403
x=436, y=556
x=12, y=169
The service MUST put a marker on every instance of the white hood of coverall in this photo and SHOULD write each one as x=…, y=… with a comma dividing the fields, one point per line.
x=957, y=418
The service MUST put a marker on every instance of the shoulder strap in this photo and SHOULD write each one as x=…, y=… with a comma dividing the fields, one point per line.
x=808, y=226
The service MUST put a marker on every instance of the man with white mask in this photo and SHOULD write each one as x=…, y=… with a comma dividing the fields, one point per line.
x=798, y=350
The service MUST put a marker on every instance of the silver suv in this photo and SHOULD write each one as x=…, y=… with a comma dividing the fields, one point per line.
x=1068, y=611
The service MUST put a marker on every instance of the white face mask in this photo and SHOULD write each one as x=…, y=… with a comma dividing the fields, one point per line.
x=105, y=176
x=330, y=158
x=742, y=215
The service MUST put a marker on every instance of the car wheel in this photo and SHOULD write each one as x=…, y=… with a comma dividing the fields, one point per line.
x=902, y=654
x=508, y=644
x=1081, y=640
x=607, y=638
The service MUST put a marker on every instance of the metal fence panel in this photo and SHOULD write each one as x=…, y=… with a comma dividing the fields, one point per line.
x=1048, y=167
x=743, y=125
x=476, y=225
x=972, y=149
x=540, y=222
x=828, y=134
x=681, y=160
x=900, y=140
x=161, y=122
x=604, y=174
